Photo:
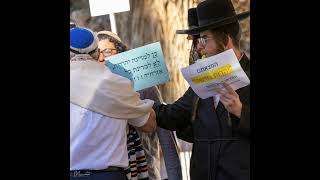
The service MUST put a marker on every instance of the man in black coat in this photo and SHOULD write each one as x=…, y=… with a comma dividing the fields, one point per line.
x=221, y=132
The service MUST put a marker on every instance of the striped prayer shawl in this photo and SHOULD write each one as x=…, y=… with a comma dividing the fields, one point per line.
x=138, y=168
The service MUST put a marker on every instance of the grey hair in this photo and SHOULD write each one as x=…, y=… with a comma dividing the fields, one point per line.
x=94, y=54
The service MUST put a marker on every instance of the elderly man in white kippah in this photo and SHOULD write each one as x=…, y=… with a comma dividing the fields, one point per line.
x=99, y=113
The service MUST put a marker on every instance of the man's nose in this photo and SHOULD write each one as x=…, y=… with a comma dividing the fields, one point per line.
x=101, y=57
x=200, y=46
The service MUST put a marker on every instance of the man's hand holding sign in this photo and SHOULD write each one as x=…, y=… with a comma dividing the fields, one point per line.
x=218, y=76
x=230, y=99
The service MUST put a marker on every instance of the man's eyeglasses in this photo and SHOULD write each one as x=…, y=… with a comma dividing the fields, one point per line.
x=203, y=40
x=107, y=52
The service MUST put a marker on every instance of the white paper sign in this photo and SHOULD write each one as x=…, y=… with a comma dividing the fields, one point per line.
x=102, y=7
x=207, y=75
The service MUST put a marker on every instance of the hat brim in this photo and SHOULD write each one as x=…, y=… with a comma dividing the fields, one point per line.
x=215, y=24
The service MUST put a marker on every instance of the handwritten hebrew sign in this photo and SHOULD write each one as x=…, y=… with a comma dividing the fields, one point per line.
x=144, y=66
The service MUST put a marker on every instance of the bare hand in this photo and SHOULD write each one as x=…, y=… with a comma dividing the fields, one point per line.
x=230, y=99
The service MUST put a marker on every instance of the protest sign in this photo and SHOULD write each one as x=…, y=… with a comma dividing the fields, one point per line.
x=144, y=66
x=206, y=76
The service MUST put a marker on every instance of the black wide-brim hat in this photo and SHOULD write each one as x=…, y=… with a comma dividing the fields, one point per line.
x=192, y=18
x=213, y=14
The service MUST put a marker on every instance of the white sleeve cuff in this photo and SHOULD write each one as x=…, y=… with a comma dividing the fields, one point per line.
x=138, y=122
